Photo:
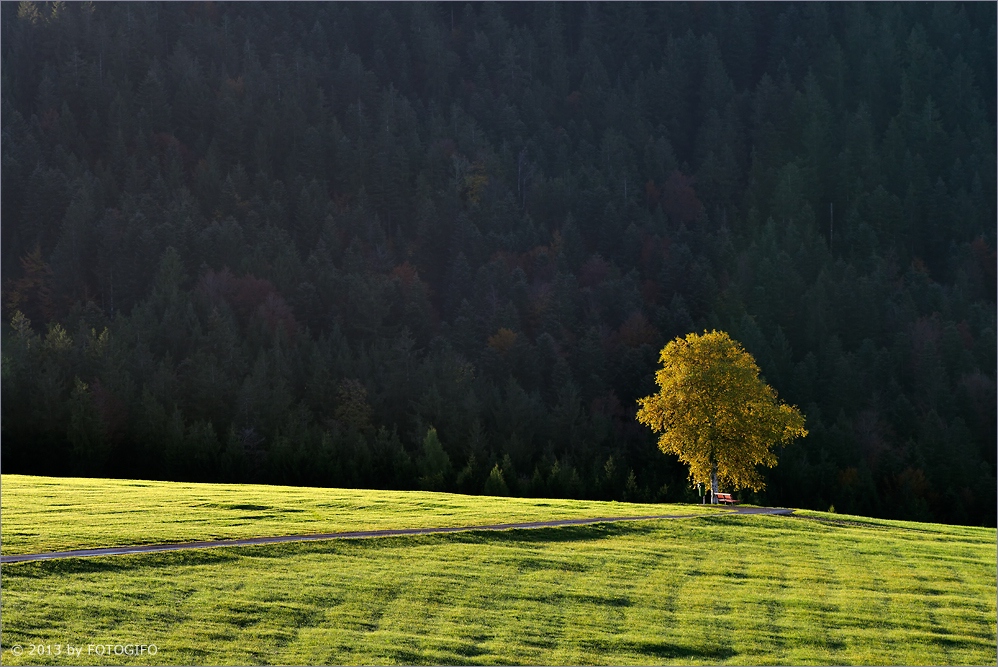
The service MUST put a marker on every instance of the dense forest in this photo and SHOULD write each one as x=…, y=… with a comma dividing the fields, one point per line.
x=441, y=245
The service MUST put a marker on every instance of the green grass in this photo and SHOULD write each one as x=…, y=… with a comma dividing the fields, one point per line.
x=59, y=513
x=812, y=589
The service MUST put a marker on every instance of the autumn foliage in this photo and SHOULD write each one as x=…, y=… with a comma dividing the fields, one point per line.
x=715, y=413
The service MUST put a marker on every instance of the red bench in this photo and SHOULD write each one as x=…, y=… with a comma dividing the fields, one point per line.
x=725, y=498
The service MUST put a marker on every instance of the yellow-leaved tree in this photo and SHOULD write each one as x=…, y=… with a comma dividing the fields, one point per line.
x=716, y=414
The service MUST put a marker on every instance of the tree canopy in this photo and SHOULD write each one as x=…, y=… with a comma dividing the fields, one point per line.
x=715, y=413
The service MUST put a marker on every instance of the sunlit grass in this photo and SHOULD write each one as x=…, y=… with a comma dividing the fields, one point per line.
x=59, y=513
x=819, y=589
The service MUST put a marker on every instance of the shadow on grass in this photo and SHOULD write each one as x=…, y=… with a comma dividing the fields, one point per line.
x=585, y=533
x=542, y=564
x=853, y=524
x=517, y=536
x=604, y=601
x=469, y=650
x=113, y=564
x=251, y=508
x=662, y=651
x=962, y=644
x=936, y=529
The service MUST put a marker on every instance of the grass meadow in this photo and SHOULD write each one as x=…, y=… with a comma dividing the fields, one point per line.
x=60, y=513
x=814, y=588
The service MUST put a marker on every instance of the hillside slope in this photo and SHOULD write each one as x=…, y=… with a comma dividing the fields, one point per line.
x=278, y=242
x=811, y=589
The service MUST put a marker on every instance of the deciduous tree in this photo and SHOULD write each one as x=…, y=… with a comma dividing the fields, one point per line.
x=715, y=413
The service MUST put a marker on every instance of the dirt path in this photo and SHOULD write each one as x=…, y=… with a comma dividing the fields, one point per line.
x=250, y=541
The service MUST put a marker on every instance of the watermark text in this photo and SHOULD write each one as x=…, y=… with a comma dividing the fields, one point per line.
x=79, y=650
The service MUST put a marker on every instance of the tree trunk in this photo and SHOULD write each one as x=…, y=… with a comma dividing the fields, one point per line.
x=713, y=484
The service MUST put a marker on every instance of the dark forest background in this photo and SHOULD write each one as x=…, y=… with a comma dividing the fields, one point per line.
x=280, y=242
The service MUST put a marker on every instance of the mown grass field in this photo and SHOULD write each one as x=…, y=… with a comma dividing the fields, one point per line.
x=60, y=513
x=816, y=588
